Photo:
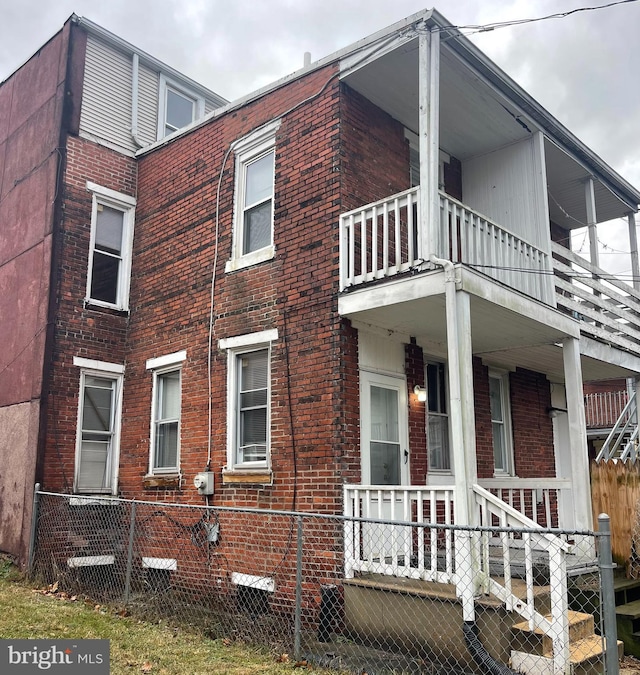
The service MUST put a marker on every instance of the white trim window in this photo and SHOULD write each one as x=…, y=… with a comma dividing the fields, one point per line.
x=254, y=198
x=437, y=418
x=112, y=219
x=249, y=399
x=98, y=432
x=501, y=423
x=166, y=404
x=177, y=107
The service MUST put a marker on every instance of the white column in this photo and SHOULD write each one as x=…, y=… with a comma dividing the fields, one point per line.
x=633, y=248
x=465, y=365
x=428, y=134
x=580, y=480
x=590, y=200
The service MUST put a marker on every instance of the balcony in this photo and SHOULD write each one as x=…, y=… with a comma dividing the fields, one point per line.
x=383, y=241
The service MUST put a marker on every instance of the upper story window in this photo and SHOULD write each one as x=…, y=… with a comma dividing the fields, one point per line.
x=254, y=198
x=437, y=418
x=178, y=107
x=112, y=219
x=501, y=422
x=98, y=433
x=248, y=399
x=166, y=413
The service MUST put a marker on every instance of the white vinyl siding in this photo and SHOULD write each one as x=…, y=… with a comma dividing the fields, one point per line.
x=148, y=92
x=106, y=112
x=106, y=96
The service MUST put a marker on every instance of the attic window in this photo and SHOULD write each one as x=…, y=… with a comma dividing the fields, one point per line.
x=178, y=107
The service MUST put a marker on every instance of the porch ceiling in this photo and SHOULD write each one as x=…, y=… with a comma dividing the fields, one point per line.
x=566, y=186
x=415, y=307
x=474, y=118
x=507, y=330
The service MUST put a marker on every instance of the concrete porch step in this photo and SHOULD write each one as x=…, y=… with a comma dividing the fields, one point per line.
x=586, y=657
x=524, y=639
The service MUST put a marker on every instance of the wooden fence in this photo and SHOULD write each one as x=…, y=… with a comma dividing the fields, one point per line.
x=615, y=490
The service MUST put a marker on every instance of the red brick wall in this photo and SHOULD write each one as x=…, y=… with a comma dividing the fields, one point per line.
x=530, y=395
x=88, y=332
x=294, y=293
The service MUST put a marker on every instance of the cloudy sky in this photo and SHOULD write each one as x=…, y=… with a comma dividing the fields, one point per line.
x=584, y=68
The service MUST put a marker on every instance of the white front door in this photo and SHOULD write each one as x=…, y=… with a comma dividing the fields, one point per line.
x=384, y=429
x=385, y=462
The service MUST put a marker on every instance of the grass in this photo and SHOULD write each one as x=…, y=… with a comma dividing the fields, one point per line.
x=136, y=646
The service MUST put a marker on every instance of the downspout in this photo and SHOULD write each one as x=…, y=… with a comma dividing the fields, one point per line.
x=134, y=100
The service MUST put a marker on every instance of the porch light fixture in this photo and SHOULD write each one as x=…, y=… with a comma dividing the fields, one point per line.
x=420, y=392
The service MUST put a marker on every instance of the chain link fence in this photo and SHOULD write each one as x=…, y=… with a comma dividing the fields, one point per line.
x=350, y=594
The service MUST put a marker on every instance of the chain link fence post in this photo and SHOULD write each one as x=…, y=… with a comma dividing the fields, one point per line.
x=608, y=595
x=34, y=525
x=132, y=527
x=298, y=612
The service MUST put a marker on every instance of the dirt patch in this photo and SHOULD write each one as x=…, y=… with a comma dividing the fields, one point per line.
x=629, y=666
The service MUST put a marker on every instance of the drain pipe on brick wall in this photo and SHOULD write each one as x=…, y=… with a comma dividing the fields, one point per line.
x=462, y=513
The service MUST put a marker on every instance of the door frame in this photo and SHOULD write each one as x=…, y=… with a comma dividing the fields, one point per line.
x=399, y=384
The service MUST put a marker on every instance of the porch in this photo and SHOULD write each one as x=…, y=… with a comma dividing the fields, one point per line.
x=506, y=565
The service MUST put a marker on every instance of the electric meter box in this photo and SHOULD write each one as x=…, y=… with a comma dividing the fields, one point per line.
x=204, y=482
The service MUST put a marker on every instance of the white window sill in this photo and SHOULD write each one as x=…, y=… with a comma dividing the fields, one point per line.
x=97, y=304
x=253, y=258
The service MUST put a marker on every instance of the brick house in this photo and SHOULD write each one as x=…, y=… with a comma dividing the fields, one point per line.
x=357, y=276
x=71, y=120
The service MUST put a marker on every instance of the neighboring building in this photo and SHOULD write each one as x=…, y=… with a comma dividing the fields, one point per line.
x=356, y=276
x=71, y=120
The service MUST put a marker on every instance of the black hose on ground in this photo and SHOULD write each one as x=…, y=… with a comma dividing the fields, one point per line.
x=480, y=655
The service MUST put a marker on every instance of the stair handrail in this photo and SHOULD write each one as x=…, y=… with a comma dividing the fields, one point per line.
x=627, y=418
x=557, y=626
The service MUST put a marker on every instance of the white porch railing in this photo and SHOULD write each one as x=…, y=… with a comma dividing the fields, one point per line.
x=538, y=499
x=395, y=549
x=602, y=409
x=494, y=512
x=608, y=309
x=382, y=239
x=408, y=543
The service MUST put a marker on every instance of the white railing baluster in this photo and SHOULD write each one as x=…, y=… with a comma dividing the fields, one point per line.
x=374, y=242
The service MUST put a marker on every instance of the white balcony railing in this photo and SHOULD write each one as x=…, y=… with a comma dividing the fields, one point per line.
x=607, y=308
x=382, y=240
x=379, y=240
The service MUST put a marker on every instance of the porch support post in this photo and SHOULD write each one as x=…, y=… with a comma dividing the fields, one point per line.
x=633, y=248
x=590, y=200
x=581, y=488
x=467, y=420
x=428, y=134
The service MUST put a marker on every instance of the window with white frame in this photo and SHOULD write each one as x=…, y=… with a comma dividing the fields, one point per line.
x=178, y=107
x=98, y=433
x=254, y=198
x=248, y=399
x=501, y=422
x=437, y=418
x=166, y=413
x=111, y=241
